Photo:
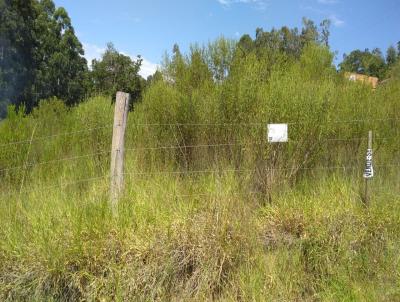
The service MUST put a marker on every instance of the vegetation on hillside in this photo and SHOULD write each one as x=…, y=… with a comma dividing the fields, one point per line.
x=211, y=211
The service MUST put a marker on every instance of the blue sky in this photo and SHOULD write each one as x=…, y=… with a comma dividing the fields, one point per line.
x=151, y=27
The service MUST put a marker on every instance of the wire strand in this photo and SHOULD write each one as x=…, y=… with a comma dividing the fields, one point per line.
x=265, y=123
x=183, y=124
x=255, y=170
x=59, y=185
x=246, y=144
x=194, y=172
x=162, y=148
x=53, y=136
x=55, y=161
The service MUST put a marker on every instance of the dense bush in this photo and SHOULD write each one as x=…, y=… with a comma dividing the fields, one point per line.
x=329, y=117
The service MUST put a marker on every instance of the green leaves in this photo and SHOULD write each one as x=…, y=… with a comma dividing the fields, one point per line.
x=61, y=69
x=40, y=56
x=365, y=62
x=117, y=72
x=16, y=50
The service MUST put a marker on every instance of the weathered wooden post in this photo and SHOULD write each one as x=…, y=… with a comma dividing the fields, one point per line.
x=117, y=149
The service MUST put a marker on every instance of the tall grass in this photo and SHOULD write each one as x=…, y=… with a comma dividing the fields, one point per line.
x=243, y=220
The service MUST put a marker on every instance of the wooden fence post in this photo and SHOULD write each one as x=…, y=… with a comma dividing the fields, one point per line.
x=117, y=151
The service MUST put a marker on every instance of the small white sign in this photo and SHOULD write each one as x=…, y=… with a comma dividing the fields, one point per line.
x=277, y=133
x=369, y=169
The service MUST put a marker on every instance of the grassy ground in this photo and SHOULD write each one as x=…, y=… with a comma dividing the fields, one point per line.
x=201, y=238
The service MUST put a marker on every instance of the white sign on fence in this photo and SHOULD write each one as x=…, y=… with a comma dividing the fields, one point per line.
x=277, y=133
x=369, y=169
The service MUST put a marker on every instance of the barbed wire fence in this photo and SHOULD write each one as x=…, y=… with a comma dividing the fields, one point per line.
x=141, y=174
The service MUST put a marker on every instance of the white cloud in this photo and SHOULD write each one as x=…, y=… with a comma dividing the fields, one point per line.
x=93, y=51
x=259, y=4
x=336, y=21
x=148, y=68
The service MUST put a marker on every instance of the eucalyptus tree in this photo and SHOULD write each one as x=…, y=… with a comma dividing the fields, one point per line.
x=40, y=55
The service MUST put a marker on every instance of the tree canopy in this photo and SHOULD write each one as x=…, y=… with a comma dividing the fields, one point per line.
x=116, y=71
x=215, y=61
x=40, y=54
x=289, y=41
x=17, y=44
x=371, y=63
